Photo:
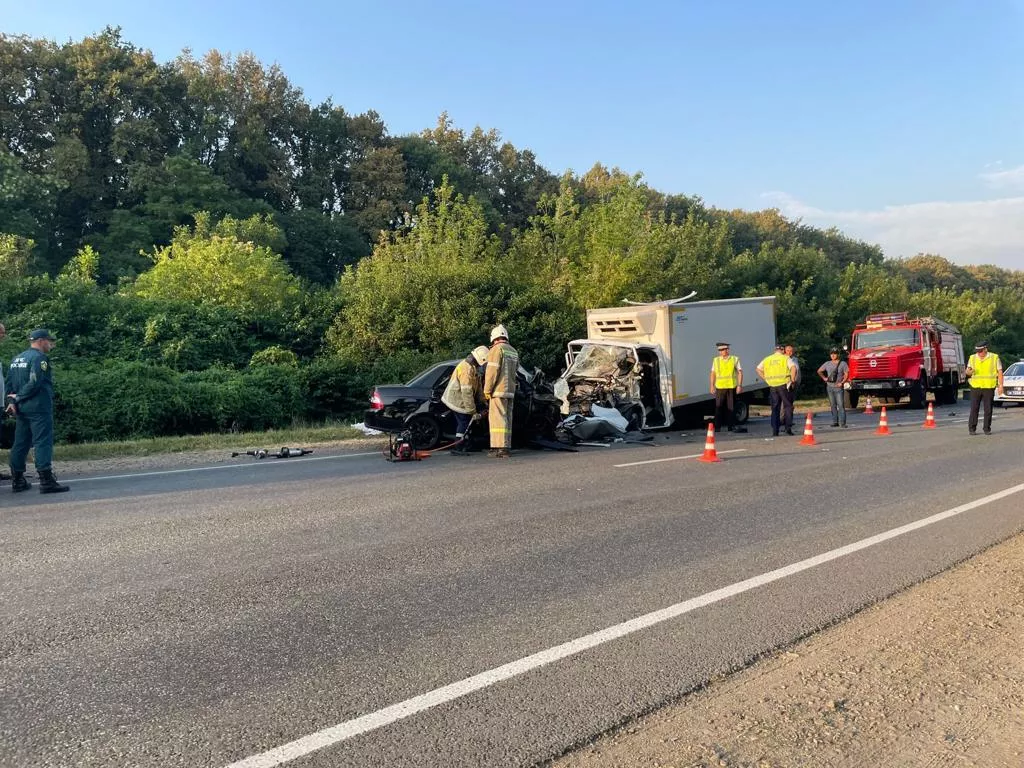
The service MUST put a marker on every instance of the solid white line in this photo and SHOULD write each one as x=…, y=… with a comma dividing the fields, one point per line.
x=676, y=458
x=346, y=730
x=264, y=463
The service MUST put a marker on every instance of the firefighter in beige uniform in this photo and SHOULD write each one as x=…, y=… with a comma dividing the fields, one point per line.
x=499, y=390
x=462, y=395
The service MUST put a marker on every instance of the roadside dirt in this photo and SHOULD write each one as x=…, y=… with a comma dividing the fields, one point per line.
x=931, y=677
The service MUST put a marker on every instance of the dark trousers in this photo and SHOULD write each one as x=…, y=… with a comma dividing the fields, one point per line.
x=782, y=408
x=32, y=430
x=725, y=402
x=462, y=422
x=979, y=397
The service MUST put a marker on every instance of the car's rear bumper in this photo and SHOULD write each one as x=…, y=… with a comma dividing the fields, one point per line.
x=377, y=420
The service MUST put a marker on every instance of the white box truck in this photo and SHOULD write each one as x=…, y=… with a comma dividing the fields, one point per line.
x=652, y=361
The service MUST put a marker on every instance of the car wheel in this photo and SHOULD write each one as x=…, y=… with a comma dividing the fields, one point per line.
x=426, y=432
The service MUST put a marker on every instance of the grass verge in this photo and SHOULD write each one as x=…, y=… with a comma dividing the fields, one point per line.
x=296, y=437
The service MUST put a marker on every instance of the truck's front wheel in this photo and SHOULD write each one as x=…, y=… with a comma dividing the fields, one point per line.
x=917, y=394
x=852, y=398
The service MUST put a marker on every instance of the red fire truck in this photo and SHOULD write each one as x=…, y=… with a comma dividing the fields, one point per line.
x=894, y=356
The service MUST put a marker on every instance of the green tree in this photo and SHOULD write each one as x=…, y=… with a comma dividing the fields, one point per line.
x=203, y=265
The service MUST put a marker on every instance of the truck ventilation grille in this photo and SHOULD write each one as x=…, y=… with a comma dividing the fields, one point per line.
x=616, y=327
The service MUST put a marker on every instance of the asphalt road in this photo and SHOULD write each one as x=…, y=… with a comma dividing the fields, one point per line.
x=207, y=616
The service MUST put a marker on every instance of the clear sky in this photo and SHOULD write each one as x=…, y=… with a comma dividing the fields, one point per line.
x=901, y=122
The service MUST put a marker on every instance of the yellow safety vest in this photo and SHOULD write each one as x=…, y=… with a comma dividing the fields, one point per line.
x=986, y=372
x=776, y=370
x=725, y=371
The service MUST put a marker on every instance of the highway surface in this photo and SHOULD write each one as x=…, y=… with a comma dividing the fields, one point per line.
x=343, y=611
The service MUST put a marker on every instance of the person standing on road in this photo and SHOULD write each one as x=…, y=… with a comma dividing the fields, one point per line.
x=31, y=402
x=726, y=383
x=464, y=395
x=779, y=372
x=3, y=398
x=791, y=354
x=986, y=374
x=500, y=391
x=835, y=373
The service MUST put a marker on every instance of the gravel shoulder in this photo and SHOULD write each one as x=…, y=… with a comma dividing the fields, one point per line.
x=931, y=677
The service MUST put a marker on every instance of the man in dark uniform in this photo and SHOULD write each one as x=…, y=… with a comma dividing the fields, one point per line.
x=30, y=399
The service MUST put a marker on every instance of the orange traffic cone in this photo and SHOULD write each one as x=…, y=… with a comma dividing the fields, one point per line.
x=868, y=408
x=929, y=419
x=808, y=438
x=883, y=424
x=710, y=454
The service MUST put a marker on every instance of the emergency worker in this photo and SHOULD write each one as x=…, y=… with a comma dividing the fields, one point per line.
x=500, y=391
x=779, y=372
x=798, y=376
x=31, y=401
x=726, y=383
x=464, y=395
x=986, y=374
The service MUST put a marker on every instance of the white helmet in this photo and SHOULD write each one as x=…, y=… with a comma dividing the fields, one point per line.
x=499, y=332
x=480, y=354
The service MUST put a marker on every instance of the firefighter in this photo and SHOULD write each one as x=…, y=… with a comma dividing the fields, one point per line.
x=726, y=383
x=986, y=374
x=464, y=395
x=779, y=372
x=500, y=390
x=30, y=400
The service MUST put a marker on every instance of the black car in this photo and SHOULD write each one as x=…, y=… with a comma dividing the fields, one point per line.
x=417, y=407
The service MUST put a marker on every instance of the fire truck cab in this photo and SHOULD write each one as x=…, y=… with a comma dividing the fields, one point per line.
x=894, y=356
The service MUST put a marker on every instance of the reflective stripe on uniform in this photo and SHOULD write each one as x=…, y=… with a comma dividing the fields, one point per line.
x=986, y=371
x=725, y=371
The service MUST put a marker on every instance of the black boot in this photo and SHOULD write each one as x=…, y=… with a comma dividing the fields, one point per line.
x=48, y=483
x=19, y=483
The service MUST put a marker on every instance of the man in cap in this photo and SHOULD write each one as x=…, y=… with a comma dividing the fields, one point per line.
x=726, y=383
x=835, y=373
x=500, y=390
x=31, y=401
x=463, y=395
x=986, y=374
x=779, y=372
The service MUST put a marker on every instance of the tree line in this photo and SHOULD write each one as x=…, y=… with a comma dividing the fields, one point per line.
x=215, y=252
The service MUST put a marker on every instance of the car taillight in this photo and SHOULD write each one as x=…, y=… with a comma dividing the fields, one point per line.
x=376, y=404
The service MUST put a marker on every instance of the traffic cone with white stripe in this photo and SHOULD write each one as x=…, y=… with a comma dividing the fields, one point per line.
x=929, y=419
x=710, y=454
x=808, y=438
x=883, y=424
x=868, y=408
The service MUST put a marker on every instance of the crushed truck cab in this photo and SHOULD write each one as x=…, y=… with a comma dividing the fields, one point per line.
x=651, y=362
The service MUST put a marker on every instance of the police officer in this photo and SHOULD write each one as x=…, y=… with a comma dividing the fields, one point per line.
x=500, y=390
x=986, y=374
x=31, y=401
x=726, y=383
x=779, y=372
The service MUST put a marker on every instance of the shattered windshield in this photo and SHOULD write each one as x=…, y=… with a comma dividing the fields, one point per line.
x=602, y=362
x=895, y=337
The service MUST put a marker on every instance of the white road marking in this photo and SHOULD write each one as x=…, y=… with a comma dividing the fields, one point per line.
x=677, y=458
x=369, y=722
x=264, y=463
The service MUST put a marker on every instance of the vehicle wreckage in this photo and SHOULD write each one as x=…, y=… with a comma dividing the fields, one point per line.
x=650, y=362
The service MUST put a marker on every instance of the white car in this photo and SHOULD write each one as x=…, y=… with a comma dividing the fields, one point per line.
x=1013, y=385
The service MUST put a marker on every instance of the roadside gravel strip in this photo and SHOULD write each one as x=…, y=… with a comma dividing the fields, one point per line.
x=931, y=677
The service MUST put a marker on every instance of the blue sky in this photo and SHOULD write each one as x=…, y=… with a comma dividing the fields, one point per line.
x=899, y=122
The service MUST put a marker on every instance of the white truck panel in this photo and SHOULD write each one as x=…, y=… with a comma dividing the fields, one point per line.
x=687, y=334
